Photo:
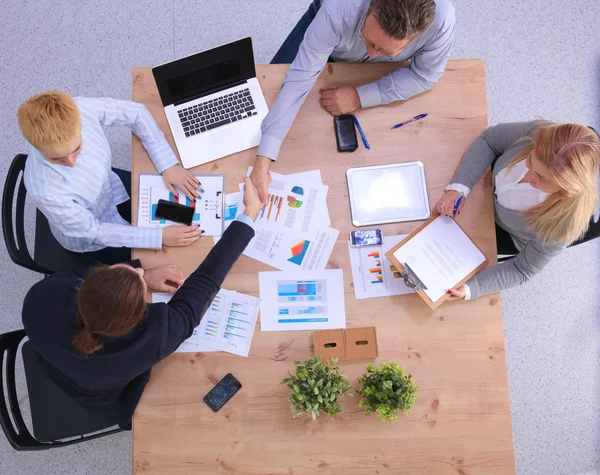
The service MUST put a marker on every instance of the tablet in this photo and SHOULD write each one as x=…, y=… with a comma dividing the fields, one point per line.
x=388, y=194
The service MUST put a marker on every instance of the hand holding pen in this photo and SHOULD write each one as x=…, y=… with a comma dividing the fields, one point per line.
x=451, y=203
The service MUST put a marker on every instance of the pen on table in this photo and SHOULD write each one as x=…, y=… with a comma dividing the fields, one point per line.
x=457, y=204
x=362, y=134
x=417, y=117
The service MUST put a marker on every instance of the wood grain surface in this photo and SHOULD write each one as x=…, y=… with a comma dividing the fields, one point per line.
x=461, y=422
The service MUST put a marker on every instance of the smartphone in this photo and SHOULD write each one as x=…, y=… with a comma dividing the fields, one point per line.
x=175, y=212
x=345, y=133
x=222, y=392
x=371, y=237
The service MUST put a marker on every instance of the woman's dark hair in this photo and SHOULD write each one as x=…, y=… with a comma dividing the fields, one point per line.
x=111, y=302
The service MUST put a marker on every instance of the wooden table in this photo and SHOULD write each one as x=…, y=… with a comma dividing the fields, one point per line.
x=461, y=422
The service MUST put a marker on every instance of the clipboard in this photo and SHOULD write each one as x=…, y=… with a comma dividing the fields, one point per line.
x=209, y=206
x=411, y=278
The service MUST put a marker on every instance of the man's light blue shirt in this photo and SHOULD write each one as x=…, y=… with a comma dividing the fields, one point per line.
x=80, y=202
x=335, y=31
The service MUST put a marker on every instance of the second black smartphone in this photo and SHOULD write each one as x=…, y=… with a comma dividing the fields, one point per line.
x=175, y=212
x=345, y=133
x=222, y=392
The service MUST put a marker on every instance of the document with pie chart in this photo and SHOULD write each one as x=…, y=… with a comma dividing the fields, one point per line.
x=292, y=230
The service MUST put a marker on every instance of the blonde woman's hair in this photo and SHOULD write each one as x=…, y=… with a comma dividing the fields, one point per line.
x=572, y=153
x=49, y=120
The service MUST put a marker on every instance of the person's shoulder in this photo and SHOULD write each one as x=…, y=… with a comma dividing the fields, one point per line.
x=444, y=10
x=444, y=16
x=48, y=301
x=36, y=174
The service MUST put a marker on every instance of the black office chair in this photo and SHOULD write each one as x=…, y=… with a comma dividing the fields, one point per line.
x=49, y=256
x=54, y=415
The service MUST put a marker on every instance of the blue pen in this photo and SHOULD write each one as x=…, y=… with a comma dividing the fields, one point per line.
x=457, y=204
x=417, y=117
x=362, y=134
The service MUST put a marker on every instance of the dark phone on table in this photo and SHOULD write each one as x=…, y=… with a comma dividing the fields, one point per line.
x=175, y=212
x=222, y=392
x=371, y=237
x=345, y=133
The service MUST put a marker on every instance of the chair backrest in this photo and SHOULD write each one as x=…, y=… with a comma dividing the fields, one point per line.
x=15, y=430
x=17, y=248
x=17, y=434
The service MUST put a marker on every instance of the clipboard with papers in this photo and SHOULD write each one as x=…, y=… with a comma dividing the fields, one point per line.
x=436, y=257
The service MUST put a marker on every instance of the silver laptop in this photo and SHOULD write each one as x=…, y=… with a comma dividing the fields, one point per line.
x=213, y=102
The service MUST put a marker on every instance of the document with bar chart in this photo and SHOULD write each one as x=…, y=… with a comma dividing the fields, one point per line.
x=373, y=274
x=302, y=300
x=209, y=205
x=228, y=324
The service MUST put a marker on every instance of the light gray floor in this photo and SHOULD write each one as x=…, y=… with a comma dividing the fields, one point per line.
x=543, y=60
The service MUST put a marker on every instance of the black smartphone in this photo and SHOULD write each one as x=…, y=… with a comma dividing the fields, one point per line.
x=175, y=212
x=371, y=237
x=345, y=133
x=222, y=392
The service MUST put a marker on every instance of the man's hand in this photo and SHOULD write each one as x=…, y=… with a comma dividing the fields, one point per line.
x=457, y=294
x=338, y=100
x=178, y=235
x=177, y=176
x=157, y=278
x=252, y=201
x=261, y=178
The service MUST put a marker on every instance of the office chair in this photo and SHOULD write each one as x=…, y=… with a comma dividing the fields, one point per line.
x=49, y=255
x=55, y=416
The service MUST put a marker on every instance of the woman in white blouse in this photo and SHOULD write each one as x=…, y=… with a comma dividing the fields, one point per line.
x=545, y=193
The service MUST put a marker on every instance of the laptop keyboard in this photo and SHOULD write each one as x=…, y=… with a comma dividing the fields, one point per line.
x=217, y=112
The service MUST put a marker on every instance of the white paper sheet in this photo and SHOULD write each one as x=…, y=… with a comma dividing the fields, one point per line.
x=374, y=275
x=441, y=255
x=228, y=325
x=293, y=252
x=293, y=206
x=209, y=206
x=302, y=300
x=230, y=212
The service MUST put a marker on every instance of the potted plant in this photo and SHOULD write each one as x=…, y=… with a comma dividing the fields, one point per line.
x=316, y=388
x=386, y=390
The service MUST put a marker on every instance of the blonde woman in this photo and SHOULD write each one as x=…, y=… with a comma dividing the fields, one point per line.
x=545, y=193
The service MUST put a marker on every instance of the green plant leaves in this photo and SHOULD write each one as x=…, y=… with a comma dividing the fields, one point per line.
x=316, y=388
x=386, y=390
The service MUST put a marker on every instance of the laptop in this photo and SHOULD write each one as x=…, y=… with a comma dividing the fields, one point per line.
x=213, y=102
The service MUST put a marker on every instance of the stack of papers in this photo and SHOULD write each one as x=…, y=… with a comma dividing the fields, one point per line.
x=228, y=324
x=373, y=273
x=293, y=231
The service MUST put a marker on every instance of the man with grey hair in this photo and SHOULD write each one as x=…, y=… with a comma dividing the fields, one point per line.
x=421, y=31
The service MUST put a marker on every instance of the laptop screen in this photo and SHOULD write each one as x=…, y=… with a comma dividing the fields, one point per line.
x=204, y=79
x=204, y=73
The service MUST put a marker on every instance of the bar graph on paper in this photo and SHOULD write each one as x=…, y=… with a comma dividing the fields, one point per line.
x=372, y=272
x=229, y=322
x=312, y=294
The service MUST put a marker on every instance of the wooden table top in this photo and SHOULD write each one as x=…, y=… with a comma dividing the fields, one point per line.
x=461, y=422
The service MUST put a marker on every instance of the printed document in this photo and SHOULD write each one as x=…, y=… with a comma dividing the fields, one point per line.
x=302, y=300
x=228, y=324
x=209, y=205
x=441, y=255
x=373, y=273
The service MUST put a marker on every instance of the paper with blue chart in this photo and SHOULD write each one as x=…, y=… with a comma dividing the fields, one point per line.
x=209, y=205
x=292, y=231
x=311, y=300
x=373, y=273
x=228, y=324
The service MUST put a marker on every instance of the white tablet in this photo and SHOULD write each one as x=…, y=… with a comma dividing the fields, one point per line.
x=388, y=194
